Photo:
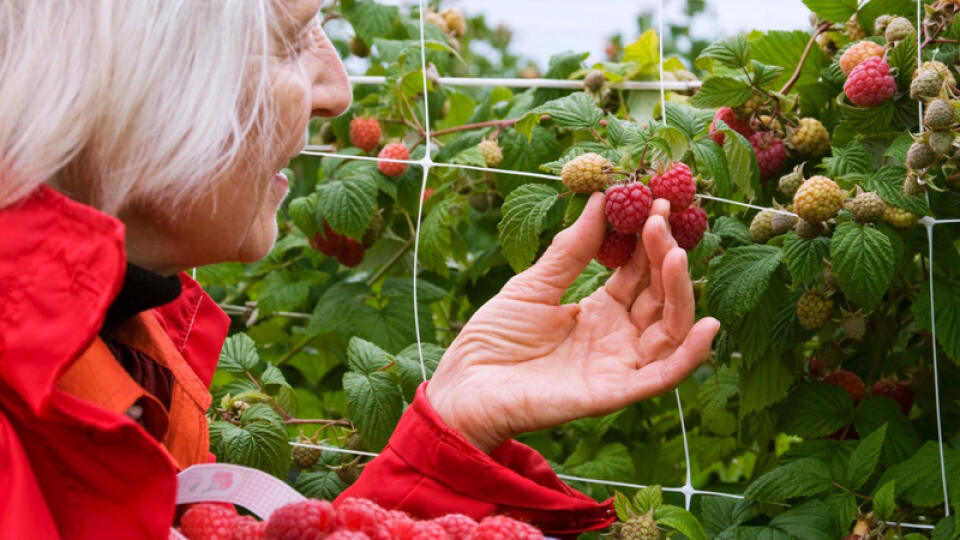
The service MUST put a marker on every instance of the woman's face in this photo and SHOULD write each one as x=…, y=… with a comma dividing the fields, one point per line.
x=237, y=220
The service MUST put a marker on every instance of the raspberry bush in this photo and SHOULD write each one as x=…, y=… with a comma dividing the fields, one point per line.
x=822, y=123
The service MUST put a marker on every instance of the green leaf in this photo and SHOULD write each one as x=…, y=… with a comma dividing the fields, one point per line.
x=591, y=279
x=811, y=520
x=721, y=515
x=837, y=11
x=902, y=439
x=365, y=357
x=712, y=163
x=804, y=477
x=864, y=459
x=273, y=376
x=888, y=183
x=521, y=154
x=645, y=51
x=320, y=483
x=408, y=365
x=683, y=521
x=843, y=506
x=884, y=502
x=647, y=498
x=239, y=354
x=741, y=162
x=863, y=263
x=763, y=383
x=903, y=58
x=919, y=479
x=947, y=529
x=687, y=119
x=946, y=294
x=722, y=91
x=576, y=110
x=738, y=279
x=348, y=204
x=784, y=49
x=260, y=441
x=732, y=52
x=524, y=211
x=282, y=291
x=611, y=462
x=561, y=66
x=731, y=231
x=853, y=158
x=370, y=19
x=302, y=211
x=816, y=409
x=804, y=258
x=622, y=506
x=436, y=235
x=375, y=404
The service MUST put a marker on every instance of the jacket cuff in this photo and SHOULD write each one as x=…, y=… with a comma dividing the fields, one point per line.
x=514, y=477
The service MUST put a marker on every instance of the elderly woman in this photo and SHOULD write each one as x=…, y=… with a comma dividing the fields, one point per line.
x=142, y=138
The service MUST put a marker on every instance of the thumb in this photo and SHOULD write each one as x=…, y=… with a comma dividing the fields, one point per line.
x=568, y=254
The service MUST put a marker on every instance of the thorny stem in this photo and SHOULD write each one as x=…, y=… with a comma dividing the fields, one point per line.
x=803, y=58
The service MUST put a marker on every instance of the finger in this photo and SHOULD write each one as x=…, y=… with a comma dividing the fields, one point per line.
x=632, y=278
x=661, y=207
x=571, y=251
x=657, y=242
x=656, y=378
x=678, y=301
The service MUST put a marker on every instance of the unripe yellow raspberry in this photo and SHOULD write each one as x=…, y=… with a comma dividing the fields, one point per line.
x=492, y=154
x=814, y=310
x=810, y=138
x=898, y=217
x=586, y=173
x=455, y=21
x=858, y=52
x=818, y=199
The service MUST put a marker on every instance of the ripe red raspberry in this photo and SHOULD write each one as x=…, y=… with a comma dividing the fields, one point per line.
x=248, y=528
x=427, y=193
x=616, y=250
x=730, y=119
x=305, y=520
x=898, y=391
x=675, y=185
x=857, y=53
x=344, y=534
x=456, y=525
x=502, y=527
x=770, y=151
x=361, y=515
x=352, y=253
x=627, y=206
x=329, y=242
x=208, y=521
x=393, y=151
x=365, y=133
x=849, y=381
x=688, y=227
x=870, y=83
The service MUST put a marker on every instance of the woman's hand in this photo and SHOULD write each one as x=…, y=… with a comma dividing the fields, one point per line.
x=524, y=362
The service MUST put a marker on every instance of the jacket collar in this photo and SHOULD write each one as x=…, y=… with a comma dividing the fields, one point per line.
x=62, y=265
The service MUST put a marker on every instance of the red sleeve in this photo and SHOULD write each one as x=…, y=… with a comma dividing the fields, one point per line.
x=23, y=510
x=428, y=469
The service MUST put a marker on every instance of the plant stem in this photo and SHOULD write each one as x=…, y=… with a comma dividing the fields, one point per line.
x=600, y=137
x=806, y=52
x=295, y=349
x=393, y=260
x=275, y=405
x=345, y=423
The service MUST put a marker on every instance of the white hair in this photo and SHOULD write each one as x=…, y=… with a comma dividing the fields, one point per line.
x=118, y=100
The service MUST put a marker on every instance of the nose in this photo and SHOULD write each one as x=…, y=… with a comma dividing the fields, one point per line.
x=330, y=94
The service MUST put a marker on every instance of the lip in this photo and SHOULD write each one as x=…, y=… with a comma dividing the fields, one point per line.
x=280, y=183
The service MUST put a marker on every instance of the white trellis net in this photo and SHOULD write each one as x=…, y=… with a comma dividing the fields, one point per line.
x=687, y=489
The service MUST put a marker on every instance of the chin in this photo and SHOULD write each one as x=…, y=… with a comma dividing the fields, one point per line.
x=259, y=241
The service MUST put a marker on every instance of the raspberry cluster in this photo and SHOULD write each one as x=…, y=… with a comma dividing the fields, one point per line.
x=350, y=519
x=346, y=250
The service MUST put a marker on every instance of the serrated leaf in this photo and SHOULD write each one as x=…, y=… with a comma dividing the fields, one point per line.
x=765, y=76
x=687, y=119
x=273, y=375
x=320, y=483
x=738, y=279
x=259, y=442
x=436, y=235
x=732, y=52
x=888, y=183
x=348, y=204
x=837, y=11
x=591, y=279
x=282, y=291
x=646, y=498
x=902, y=439
x=864, y=459
x=524, y=211
x=843, y=506
x=863, y=263
x=370, y=19
x=408, y=365
x=903, y=58
x=804, y=258
x=712, y=163
x=853, y=158
x=884, y=502
x=741, y=162
x=811, y=520
x=365, y=357
x=622, y=506
x=560, y=66
x=610, y=462
x=239, y=354
x=919, y=479
x=577, y=110
x=763, y=383
x=681, y=520
x=784, y=49
x=720, y=91
x=946, y=294
x=947, y=529
x=731, y=231
x=722, y=515
x=816, y=409
x=521, y=154
x=804, y=477
x=374, y=403
x=302, y=211
x=645, y=51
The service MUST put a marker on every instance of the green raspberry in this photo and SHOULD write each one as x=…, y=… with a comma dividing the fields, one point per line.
x=867, y=207
x=814, y=310
x=761, y=228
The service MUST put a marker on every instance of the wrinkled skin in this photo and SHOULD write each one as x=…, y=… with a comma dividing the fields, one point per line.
x=524, y=362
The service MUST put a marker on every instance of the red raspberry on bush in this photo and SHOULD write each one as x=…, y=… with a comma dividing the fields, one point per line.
x=457, y=525
x=248, y=528
x=427, y=193
x=857, y=53
x=728, y=117
x=305, y=520
x=770, y=151
x=361, y=515
x=206, y=521
x=329, y=242
x=849, y=381
x=627, y=206
x=688, y=227
x=344, y=534
x=393, y=151
x=616, y=250
x=898, y=391
x=352, y=253
x=675, y=185
x=502, y=527
x=870, y=83
x=365, y=133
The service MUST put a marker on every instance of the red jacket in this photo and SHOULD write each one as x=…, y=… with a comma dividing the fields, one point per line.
x=70, y=468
